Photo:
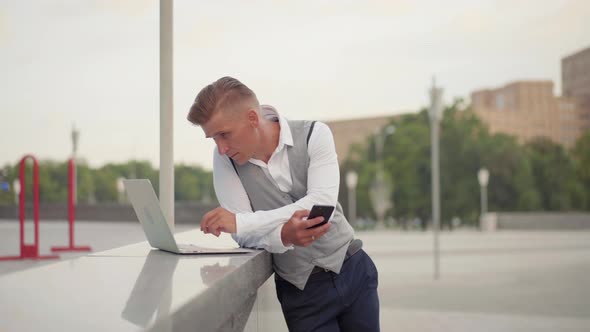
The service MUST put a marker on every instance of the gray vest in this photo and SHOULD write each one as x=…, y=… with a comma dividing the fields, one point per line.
x=328, y=251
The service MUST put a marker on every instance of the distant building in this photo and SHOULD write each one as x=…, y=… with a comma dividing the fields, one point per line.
x=528, y=109
x=575, y=77
x=348, y=132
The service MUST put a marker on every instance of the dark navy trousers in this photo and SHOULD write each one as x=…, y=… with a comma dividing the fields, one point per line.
x=334, y=302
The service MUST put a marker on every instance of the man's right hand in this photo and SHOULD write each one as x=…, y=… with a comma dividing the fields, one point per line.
x=296, y=232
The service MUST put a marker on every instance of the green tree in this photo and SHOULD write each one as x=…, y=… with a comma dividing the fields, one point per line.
x=86, y=183
x=100, y=184
x=581, y=160
x=193, y=184
x=539, y=175
x=8, y=197
x=105, y=183
x=555, y=176
x=511, y=186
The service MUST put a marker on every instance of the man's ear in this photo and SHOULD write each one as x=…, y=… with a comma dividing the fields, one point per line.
x=253, y=118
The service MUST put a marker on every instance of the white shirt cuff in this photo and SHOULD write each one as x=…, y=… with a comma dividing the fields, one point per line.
x=276, y=243
x=243, y=224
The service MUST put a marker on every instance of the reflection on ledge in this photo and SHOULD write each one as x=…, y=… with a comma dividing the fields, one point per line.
x=236, y=321
x=211, y=273
x=150, y=299
x=152, y=289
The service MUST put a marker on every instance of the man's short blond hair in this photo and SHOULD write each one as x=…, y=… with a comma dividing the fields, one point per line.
x=224, y=93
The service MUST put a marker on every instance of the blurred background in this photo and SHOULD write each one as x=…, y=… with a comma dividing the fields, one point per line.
x=80, y=79
x=515, y=76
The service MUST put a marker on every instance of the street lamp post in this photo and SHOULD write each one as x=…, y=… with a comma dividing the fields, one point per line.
x=75, y=139
x=483, y=176
x=4, y=180
x=16, y=188
x=120, y=190
x=351, y=182
x=435, y=114
x=380, y=136
x=381, y=189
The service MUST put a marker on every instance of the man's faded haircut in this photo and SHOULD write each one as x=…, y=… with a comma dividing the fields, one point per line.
x=224, y=93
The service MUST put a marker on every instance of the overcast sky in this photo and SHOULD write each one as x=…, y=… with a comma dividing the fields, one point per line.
x=95, y=63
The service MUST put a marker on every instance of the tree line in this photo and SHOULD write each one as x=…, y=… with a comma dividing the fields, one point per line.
x=99, y=185
x=538, y=175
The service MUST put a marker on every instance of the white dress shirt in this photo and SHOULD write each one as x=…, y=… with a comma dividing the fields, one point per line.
x=262, y=229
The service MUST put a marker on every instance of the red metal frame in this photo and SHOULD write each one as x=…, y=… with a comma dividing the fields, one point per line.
x=29, y=251
x=71, y=212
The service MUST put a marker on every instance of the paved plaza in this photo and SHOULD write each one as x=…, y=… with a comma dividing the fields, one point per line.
x=504, y=281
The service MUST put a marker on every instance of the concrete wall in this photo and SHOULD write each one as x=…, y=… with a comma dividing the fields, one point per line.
x=185, y=212
x=540, y=220
x=191, y=212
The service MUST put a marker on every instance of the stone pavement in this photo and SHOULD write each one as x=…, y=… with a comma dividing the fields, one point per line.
x=430, y=321
x=505, y=281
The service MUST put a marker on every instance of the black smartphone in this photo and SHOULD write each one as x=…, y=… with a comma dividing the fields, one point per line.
x=320, y=211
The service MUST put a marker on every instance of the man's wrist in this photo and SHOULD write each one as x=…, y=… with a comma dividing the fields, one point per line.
x=242, y=224
x=234, y=223
x=284, y=237
x=275, y=242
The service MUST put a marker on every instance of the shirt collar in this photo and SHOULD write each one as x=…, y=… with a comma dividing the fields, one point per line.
x=285, y=136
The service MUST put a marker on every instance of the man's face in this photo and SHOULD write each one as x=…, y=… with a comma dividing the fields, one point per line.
x=234, y=133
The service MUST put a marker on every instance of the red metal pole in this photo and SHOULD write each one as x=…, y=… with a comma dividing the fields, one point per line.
x=71, y=211
x=36, y=203
x=21, y=204
x=28, y=251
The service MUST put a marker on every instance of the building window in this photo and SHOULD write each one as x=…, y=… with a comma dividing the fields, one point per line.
x=566, y=106
x=500, y=101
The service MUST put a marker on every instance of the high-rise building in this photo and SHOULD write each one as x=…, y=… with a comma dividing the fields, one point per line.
x=575, y=78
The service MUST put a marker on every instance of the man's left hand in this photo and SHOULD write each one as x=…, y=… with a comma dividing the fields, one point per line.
x=218, y=220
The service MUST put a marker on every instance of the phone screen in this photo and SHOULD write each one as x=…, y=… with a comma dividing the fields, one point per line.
x=320, y=210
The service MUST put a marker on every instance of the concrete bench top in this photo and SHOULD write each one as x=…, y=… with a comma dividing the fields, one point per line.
x=133, y=288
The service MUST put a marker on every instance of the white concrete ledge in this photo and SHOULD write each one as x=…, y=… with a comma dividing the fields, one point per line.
x=135, y=288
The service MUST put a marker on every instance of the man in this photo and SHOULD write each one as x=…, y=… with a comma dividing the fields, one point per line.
x=268, y=172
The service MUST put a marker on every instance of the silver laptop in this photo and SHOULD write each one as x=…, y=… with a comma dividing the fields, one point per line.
x=156, y=229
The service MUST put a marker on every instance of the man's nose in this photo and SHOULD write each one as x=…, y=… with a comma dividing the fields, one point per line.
x=222, y=148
